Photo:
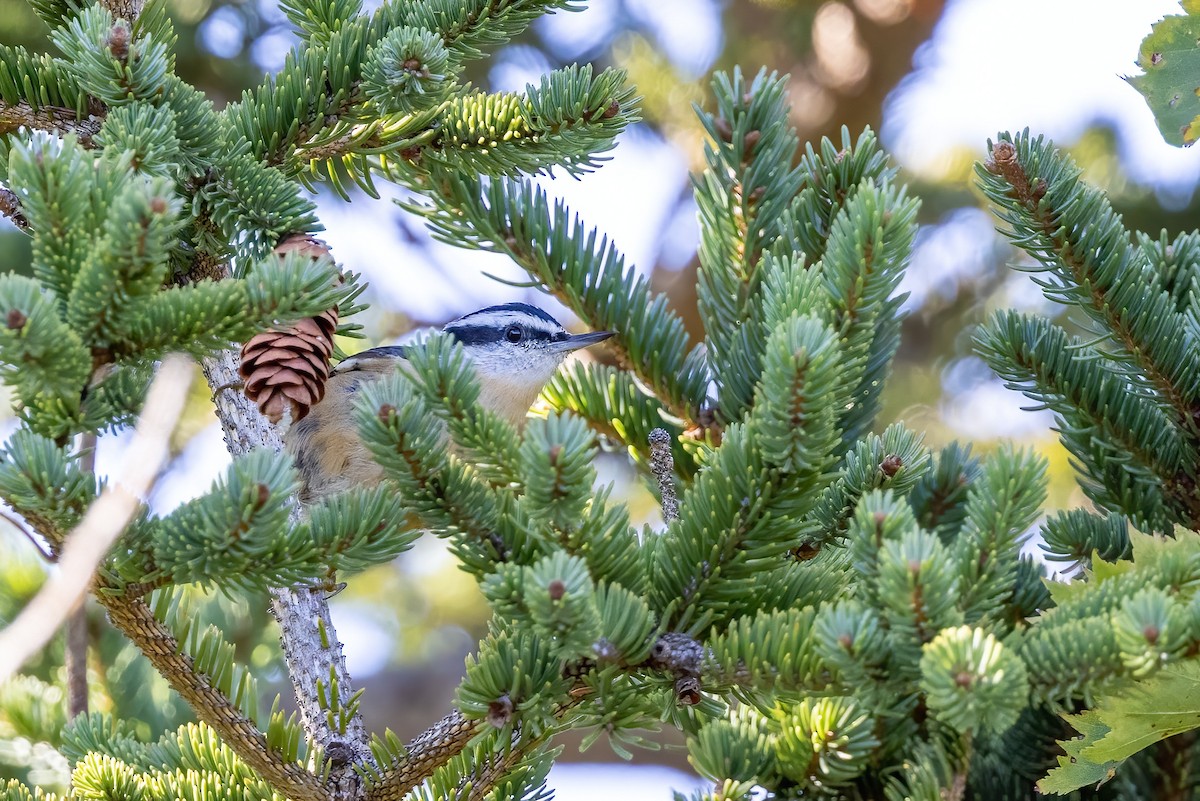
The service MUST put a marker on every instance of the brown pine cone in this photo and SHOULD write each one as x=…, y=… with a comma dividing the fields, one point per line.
x=287, y=369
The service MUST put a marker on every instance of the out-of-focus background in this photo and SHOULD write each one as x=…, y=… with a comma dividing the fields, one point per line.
x=936, y=78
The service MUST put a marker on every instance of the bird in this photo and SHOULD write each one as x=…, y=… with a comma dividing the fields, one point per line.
x=514, y=348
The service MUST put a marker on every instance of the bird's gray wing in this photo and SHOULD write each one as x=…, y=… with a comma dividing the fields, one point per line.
x=375, y=360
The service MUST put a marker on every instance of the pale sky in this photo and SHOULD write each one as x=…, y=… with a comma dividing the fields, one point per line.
x=1050, y=65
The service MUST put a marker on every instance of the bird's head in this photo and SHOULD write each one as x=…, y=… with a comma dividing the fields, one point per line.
x=517, y=344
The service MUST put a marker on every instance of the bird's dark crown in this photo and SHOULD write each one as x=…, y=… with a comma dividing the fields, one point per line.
x=488, y=326
x=520, y=308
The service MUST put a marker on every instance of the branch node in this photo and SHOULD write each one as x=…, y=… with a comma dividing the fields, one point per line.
x=677, y=653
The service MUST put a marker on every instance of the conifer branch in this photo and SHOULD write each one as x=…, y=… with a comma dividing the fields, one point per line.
x=483, y=779
x=478, y=22
x=51, y=118
x=341, y=146
x=137, y=622
x=851, y=664
x=485, y=776
x=445, y=740
x=339, y=57
x=87, y=544
x=1101, y=416
x=433, y=748
x=1069, y=245
x=304, y=612
x=742, y=198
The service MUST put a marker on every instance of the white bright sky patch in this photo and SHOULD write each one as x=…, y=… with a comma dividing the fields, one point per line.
x=368, y=644
x=691, y=46
x=192, y=473
x=961, y=246
x=224, y=32
x=1051, y=65
x=571, y=33
x=434, y=283
x=629, y=198
x=573, y=781
x=976, y=404
x=517, y=66
x=989, y=411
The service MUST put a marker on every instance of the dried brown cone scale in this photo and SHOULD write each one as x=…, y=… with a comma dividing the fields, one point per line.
x=286, y=369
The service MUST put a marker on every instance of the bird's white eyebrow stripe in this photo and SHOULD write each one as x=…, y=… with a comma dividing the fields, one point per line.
x=514, y=308
x=497, y=320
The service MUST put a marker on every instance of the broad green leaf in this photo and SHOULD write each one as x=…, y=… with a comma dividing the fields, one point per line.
x=1144, y=712
x=1103, y=571
x=1170, y=59
x=1125, y=721
x=1064, y=592
x=1149, y=550
x=1075, y=770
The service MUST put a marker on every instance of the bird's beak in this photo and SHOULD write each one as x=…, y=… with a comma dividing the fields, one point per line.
x=577, y=341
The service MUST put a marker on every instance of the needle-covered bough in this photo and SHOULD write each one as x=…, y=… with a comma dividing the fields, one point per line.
x=829, y=608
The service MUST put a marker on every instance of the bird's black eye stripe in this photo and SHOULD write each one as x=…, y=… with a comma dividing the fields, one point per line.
x=473, y=334
x=505, y=332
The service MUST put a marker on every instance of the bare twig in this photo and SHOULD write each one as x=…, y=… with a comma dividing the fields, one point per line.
x=105, y=520
x=20, y=526
x=10, y=207
x=75, y=658
x=663, y=466
x=76, y=663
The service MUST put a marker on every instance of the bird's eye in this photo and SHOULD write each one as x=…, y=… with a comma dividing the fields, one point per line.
x=513, y=333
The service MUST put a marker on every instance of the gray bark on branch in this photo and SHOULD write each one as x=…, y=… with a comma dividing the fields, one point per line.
x=124, y=9
x=136, y=620
x=433, y=748
x=49, y=118
x=310, y=645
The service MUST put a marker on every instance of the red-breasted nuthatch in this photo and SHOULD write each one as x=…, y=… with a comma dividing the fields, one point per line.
x=514, y=348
